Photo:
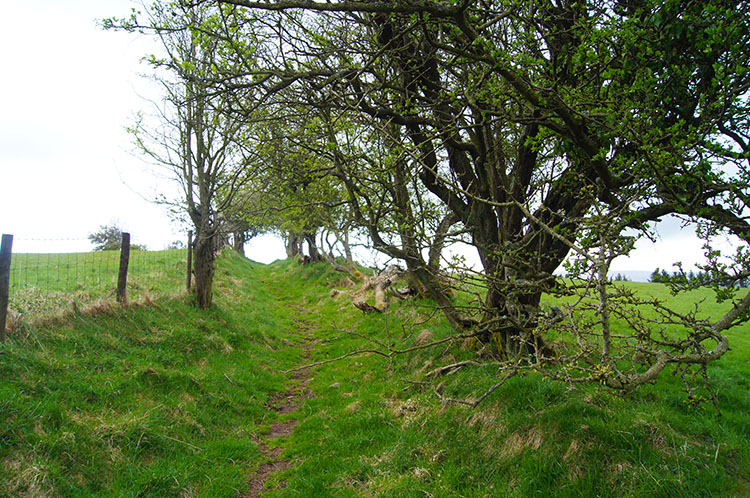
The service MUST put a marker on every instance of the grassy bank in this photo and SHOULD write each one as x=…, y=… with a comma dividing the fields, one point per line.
x=374, y=430
x=152, y=400
x=164, y=400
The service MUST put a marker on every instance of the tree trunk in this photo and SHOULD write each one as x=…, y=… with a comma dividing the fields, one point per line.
x=293, y=245
x=511, y=321
x=347, y=247
x=312, y=248
x=514, y=290
x=204, y=268
x=438, y=242
x=238, y=242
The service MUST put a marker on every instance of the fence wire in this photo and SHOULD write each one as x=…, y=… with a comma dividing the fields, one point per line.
x=65, y=271
x=44, y=283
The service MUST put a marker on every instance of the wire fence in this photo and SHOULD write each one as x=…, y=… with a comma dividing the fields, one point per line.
x=63, y=271
x=44, y=283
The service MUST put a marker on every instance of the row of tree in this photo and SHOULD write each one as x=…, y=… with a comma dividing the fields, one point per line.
x=544, y=134
x=700, y=278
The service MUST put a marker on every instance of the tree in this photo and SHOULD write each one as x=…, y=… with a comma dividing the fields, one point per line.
x=293, y=191
x=109, y=238
x=655, y=276
x=176, y=244
x=543, y=131
x=196, y=140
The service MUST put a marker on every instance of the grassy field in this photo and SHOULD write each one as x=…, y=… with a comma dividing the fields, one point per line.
x=164, y=400
x=46, y=285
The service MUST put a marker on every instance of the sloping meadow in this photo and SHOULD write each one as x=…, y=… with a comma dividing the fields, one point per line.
x=150, y=400
x=166, y=400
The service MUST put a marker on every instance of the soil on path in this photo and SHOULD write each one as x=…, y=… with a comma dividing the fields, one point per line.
x=282, y=404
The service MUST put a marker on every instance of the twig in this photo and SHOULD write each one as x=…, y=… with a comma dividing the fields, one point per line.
x=493, y=388
x=410, y=349
x=318, y=363
x=476, y=402
x=180, y=441
x=440, y=370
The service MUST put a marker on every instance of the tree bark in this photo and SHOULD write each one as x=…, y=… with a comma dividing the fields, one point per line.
x=293, y=245
x=204, y=268
x=238, y=242
x=438, y=243
x=312, y=248
x=347, y=247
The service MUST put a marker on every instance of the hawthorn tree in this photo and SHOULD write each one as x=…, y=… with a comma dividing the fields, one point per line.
x=194, y=137
x=293, y=191
x=109, y=238
x=547, y=133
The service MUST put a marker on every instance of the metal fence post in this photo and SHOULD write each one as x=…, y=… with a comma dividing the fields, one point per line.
x=6, y=250
x=122, y=277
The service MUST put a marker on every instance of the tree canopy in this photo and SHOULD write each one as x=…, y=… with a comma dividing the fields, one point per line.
x=546, y=134
x=109, y=238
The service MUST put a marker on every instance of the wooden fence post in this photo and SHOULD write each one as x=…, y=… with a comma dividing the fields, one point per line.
x=189, y=260
x=122, y=277
x=6, y=250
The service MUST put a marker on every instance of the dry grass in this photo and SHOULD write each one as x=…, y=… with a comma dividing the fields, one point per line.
x=516, y=443
x=30, y=477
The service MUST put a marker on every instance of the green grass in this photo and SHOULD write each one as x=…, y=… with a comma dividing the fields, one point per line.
x=165, y=400
x=368, y=432
x=46, y=285
x=158, y=400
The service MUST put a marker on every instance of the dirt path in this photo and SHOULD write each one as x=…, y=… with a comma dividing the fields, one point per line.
x=282, y=404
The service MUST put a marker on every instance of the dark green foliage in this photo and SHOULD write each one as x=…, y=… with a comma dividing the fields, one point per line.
x=699, y=279
x=109, y=238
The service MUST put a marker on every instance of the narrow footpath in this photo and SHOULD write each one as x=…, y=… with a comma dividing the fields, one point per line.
x=283, y=404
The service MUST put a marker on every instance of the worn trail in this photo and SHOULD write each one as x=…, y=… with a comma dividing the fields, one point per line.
x=282, y=404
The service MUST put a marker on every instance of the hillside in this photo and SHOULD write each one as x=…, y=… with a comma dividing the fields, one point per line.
x=160, y=399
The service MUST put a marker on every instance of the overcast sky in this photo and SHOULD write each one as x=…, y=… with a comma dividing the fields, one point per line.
x=67, y=93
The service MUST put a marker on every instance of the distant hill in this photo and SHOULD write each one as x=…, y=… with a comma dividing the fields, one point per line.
x=633, y=275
